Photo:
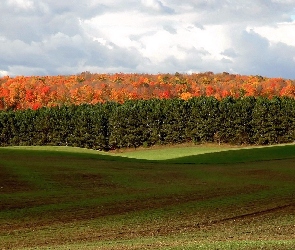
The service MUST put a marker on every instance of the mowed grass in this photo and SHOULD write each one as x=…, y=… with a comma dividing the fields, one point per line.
x=182, y=198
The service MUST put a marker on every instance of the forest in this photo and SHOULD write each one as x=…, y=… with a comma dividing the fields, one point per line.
x=34, y=92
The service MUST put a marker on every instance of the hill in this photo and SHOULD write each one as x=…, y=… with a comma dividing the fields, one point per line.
x=70, y=198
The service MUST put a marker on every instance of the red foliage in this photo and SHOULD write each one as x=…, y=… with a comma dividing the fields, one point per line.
x=209, y=90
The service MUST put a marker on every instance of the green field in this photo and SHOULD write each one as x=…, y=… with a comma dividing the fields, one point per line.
x=188, y=197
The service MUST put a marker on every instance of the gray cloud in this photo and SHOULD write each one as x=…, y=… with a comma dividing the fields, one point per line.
x=170, y=29
x=230, y=53
x=55, y=37
x=257, y=56
x=240, y=11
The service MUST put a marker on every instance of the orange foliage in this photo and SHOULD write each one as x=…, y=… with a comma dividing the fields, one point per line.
x=186, y=96
x=35, y=92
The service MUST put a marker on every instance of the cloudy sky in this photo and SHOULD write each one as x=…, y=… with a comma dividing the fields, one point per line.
x=51, y=37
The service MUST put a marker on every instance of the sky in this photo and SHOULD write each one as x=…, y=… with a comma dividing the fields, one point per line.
x=56, y=37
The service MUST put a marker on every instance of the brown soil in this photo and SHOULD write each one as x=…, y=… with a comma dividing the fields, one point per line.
x=242, y=227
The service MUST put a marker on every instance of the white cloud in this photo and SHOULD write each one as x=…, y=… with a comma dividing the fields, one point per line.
x=3, y=73
x=116, y=27
x=26, y=70
x=132, y=29
x=21, y=4
x=154, y=4
x=157, y=5
x=62, y=37
x=282, y=32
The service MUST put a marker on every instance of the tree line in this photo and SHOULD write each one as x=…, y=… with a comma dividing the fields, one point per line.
x=136, y=123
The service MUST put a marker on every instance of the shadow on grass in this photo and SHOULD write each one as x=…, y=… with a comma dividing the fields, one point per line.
x=223, y=157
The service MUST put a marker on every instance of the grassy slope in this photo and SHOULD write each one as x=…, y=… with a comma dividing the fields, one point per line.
x=231, y=199
x=177, y=153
